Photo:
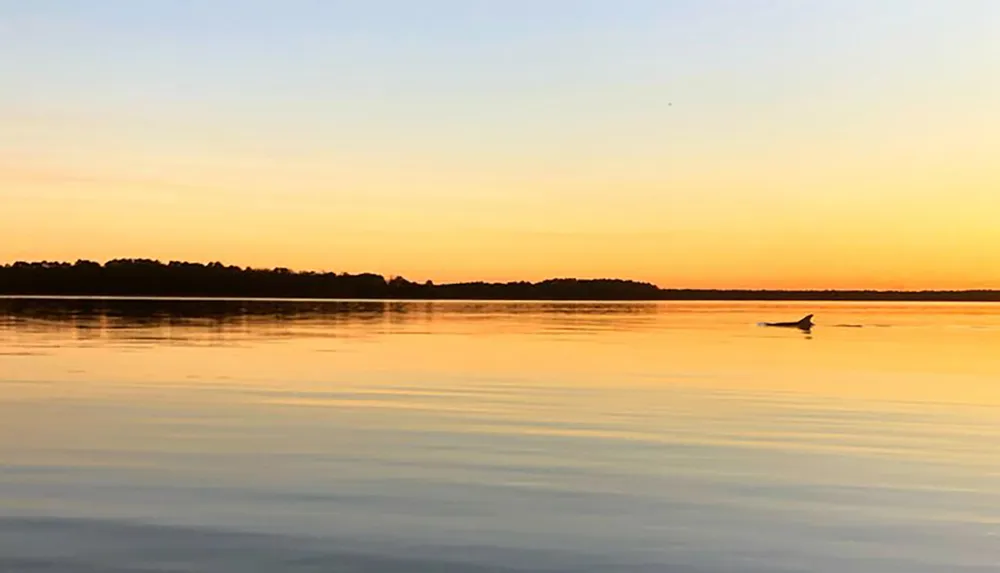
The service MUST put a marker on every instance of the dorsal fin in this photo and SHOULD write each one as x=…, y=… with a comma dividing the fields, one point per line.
x=806, y=320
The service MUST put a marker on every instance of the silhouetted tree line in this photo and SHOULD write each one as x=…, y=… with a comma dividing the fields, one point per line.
x=143, y=277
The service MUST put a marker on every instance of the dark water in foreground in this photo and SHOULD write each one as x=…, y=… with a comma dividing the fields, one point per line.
x=470, y=437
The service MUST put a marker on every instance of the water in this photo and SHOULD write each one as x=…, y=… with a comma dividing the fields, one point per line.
x=278, y=436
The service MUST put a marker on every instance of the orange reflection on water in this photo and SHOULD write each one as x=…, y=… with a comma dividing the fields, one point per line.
x=492, y=423
x=947, y=353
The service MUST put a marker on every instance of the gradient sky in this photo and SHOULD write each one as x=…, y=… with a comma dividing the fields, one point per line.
x=839, y=144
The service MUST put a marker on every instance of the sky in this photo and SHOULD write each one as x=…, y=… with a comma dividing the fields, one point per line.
x=708, y=143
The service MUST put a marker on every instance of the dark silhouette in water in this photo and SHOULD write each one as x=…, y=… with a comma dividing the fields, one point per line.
x=805, y=323
x=149, y=278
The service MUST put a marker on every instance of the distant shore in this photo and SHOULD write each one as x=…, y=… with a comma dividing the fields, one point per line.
x=149, y=278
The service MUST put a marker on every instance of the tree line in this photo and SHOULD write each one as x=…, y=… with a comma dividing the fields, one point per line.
x=145, y=277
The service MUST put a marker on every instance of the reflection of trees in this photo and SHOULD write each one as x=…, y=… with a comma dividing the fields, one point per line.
x=176, y=319
x=184, y=319
x=154, y=311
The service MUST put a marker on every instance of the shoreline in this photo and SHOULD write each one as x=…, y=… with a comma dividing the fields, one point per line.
x=766, y=296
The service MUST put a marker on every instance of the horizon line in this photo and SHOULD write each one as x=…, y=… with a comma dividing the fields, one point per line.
x=389, y=277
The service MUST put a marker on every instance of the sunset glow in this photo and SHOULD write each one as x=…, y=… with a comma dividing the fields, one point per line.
x=716, y=144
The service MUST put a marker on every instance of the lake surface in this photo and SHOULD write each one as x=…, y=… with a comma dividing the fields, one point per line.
x=275, y=436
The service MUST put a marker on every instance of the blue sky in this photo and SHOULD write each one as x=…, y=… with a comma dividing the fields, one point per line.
x=495, y=123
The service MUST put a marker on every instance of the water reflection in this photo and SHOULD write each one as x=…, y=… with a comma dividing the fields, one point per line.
x=192, y=320
x=394, y=436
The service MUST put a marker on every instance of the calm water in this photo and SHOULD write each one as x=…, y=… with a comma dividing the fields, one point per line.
x=459, y=437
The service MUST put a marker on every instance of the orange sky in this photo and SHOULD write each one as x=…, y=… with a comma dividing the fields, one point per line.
x=835, y=146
